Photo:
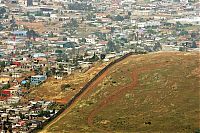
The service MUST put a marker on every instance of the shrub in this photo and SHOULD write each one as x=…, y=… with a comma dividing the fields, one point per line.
x=65, y=86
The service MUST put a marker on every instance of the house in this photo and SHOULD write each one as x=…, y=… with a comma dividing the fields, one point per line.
x=36, y=55
x=3, y=101
x=4, y=79
x=13, y=100
x=13, y=91
x=100, y=15
x=19, y=33
x=37, y=79
x=6, y=93
x=142, y=12
x=90, y=40
x=17, y=63
x=106, y=20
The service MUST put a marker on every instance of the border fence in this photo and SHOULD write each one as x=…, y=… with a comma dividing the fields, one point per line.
x=84, y=88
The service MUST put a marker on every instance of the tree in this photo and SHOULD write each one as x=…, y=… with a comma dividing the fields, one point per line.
x=65, y=86
x=58, y=51
x=60, y=66
x=2, y=11
x=102, y=56
x=183, y=32
x=51, y=34
x=31, y=18
x=7, y=86
x=10, y=74
x=193, y=35
x=194, y=45
x=28, y=84
x=157, y=46
x=59, y=59
x=129, y=13
x=31, y=33
x=22, y=116
x=1, y=27
x=124, y=40
x=47, y=72
x=100, y=35
x=178, y=24
x=39, y=13
x=112, y=29
x=73, y=23
x=82, y=40
x=118, y=18
x=2, y=64
x=90, y=16
x=94, y=58
x=111, y=46
x=72, y=26
x=151, y=31
x=80, y=6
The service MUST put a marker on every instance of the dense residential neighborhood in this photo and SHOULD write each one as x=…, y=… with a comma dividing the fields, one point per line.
x=53, y=38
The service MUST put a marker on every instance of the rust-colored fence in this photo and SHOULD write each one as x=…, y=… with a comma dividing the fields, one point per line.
x=85, y=87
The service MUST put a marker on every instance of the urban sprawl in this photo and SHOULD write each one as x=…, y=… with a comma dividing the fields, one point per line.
x=53, y=38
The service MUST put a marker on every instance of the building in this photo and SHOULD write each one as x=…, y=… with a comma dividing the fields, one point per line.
x=19, y=33
x=37, y=79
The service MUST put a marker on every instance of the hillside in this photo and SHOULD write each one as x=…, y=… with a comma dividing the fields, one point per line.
x=51, y=89
x=157, y=92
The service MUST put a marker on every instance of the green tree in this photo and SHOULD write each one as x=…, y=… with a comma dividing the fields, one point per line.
x=157, y=46
x=82, y=40
x=2, y=11
x=183, y=32
x=2, y=64
x=1, y=27
x=31, y=33
x=94, y=58
x=118, y=18
x=90, y=16
x=111, y=46
x=193, y=35
x=31, y=18
x=194, y=45
x=7, y=86
x=72, y=26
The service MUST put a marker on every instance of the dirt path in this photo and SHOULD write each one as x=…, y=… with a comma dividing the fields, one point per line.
x=119, y=92
x=114, y=96
x=111, y=98
x=93, y=85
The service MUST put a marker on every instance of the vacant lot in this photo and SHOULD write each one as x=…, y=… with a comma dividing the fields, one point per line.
x=156, y=92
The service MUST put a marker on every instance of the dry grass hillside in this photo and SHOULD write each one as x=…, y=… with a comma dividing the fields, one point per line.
x=157, y=92
x=51, y=89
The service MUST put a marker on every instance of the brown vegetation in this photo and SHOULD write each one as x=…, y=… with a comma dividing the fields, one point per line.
x=145, y=93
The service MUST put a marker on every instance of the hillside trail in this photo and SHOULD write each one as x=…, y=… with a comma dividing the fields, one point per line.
x=93, y=85
x=109, y=99
x=114, y=96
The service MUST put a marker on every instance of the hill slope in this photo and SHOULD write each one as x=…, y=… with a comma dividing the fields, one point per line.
x=156, y=92
x=51, y=89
